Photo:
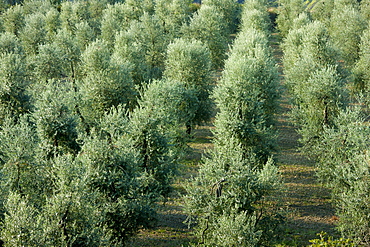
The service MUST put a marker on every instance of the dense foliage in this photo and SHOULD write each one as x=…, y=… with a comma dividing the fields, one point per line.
x=325, y=61
x=98, y=100
x=225, y=198
x=89, y=138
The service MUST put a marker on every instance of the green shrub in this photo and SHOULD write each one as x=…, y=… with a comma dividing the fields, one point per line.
x=330, y=242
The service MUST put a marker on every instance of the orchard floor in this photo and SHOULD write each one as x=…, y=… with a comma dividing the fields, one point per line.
x=306, y=203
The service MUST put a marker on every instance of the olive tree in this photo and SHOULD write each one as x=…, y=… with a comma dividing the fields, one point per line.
x=230, y=10
x=288, y=10
x=14, y=97
x=314, y=79
x=223, y=199
x=238, y=173
x=149, y=41
x=247, y=95
x=188, y=61
x=33, y=33
x=106, y=81
x=346, y=27
x=56, y=123
x=173, y=14
x=343, y=167
x=113, y=21
x=361, y=68
x=208, y=25
x=13, y=19
x=154, y=129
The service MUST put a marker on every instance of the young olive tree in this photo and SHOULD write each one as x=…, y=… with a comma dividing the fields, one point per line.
x=364, y=9
x=14, y=81
x=76, y=12
x=343, y=166
x=247, y=95
x=84, y=34
x=305, y=49
x=49, y=63
x=288, y=10
x=313, y=79
x=113, y=21
x=71, y=53
x=13, y=19
x=20, y=173
x=188, y=61
x=208, y=25
x=97, y=198
x=361, y=69
x=106, y=82
x=154, y=129
x=346, y=28
x=56, y=123
x=223, y=200
x=172, y=15
x=149, y=40
x=113, y=171
x=230, y=10
x=9, y=43
x=320, y=99
x=256, y=19
x=173, y=104
x=322, y=11
x=34, y=6
x=128, y=47
x=52, y=23
x=135, y=9
x=69, y=214
x=33, y=33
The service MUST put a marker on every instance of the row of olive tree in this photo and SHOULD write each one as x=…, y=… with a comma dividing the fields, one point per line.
x=313, y=78
x=90, y=130
x=224, y=200
x=321, y=60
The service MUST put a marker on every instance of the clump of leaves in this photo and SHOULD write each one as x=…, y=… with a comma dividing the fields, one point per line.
x=328, y=241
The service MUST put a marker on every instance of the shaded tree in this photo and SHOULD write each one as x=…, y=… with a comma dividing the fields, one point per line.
x=56, y=124
x=13, y=19
x=14, y=98
x=288, y=10
x=172, y=15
